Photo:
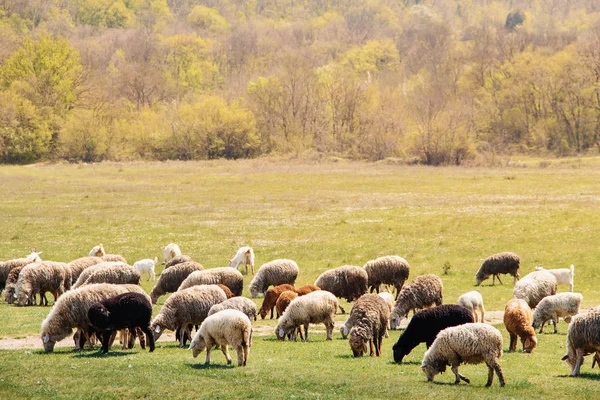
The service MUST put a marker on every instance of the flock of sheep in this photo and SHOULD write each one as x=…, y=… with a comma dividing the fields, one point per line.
x=99, y=296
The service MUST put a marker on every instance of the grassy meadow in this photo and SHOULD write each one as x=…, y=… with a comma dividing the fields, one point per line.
x=322, y=216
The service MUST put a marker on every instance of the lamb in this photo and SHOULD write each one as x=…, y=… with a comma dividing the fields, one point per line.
x=276, y=272
x=471, y=343
x=127, y=310
x=501, y=263
x=117, y=274
x=517, y=320
x=171, y=251
x=583, y=338
x=239, y=303
x=561, y=305
x=233, y=279
x=474, y=302
x=271, y=297
x=564, y=276
x=71, y=311
x=186, y=307
x=348, y=281
x=316, y=307
x=86, y=273
x=170, y=280
x=425, y=325
x=423, y=291
x=369, y=317
x=225, y=328
x=284, y=301
x=390, y=270
x=178, y=260
x=79, y=265
x=11, y=284
x=146, y=265
x=244, y=255
x=39, y=278
x=7, y=266
x=534, y=287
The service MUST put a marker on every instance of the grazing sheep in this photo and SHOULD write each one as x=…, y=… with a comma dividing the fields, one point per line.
x=170, y=280
x=348, y=281
x=245, y=255
x=583, y=338
x=126, y=310
x=239, y=303
x=423, y=291
x=146, y=265
x=71, y=311
x=369, y=320
x=233, y=279
x=426, y=324
x=11, y=284
x=114, y=258
x=271, y=297
x=313, y=308
x=474, y=302
x=471, y=343
x=171, y=251
x=501, y=263
x=79, y=265
x=534, y=287
x=517, y=320
x=564, y=276
x=284, y=300
x=87, y=272
x=178, y=260
x=561, y=305
x=119, y=274
x=390, y=270
x=276, y=272
x=39, y=278
x=186, y=307
x=225, y=328
x=306, y=289
x=7, y=266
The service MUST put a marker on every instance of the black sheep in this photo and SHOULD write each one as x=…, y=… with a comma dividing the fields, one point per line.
x=127, y=310
x=426, y=324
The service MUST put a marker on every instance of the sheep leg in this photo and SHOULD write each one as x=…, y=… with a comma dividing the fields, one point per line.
x=342, y=309
x=299, y=332
x=498, y=370
x=306, y=331
x=578, y=361
x=105, y=338
x=149, y=337
x=542, y=327
x=498, y=276
x=482, y=310
x=329, y=329
x=554, y=322
x=226, y=353
x=132, y=336
x=459, y=376
x=596, y=360
x=513, y=342
x=142, y=338
x=271, y=311
x=371, y=349
x=240, y=355
x=112, y=338
x=246, y=351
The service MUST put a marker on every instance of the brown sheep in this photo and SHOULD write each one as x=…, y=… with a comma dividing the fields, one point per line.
x=306, y=289
x=271, y=299
x=518, y=320
x=284, y=300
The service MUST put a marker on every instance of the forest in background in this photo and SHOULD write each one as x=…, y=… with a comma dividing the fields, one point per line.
x=428, y=81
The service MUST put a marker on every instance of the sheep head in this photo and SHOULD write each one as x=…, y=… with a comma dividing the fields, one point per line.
x=396, y=317
x=197, y=345
x=357, y=341
x=99, y=316
x=432, y=368
x=22, y=298
x=529, y=344
x=157, y=329
x=34, y=256
x=49, y=340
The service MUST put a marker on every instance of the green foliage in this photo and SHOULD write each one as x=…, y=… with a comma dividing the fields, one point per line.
x=375, y=56
x=207, y=18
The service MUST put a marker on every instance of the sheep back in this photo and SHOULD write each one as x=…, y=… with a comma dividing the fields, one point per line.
x=502, y=263
x=119, y=274
x=229, y=277
x=421, y=292
x=178, y=260
x=284, y=301
x=77, y=266
x=170, y=279
x=534, y=286
x=87, y=272
x=348, y=282
x=390, y=270
x=239, y=303
x=273, y=273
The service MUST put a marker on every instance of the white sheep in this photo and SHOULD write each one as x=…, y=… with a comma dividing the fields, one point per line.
x=245, y=255
x=97, y=251
x=561, y=305
x=146, y=265
x=564, y=276
x=316, y=307
x=473, y=301
x=534, y=286
x=171, y=251
x=226, y=327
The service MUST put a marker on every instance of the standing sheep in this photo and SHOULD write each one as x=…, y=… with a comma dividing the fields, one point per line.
x=561, y=305
x=273, y=273
x=79, y=265
x=517, y=320
x=239, y=303
x=564, y=276
x=120, y=274
x=171, y=251
x=39, y=278
x=583, y=338
x=348, y=281
x=87, y=272
x=391, y=270
x=534, y=287
x=423, y=291
x=7, y=266
x=501, y=263
x=369, y=320
x=170, y=280
x=245, y=255
x=146, y=265
x=474, y=302
x=233, y=279
x=11, y=284
x=270, y=299
x=313, y=308
x=225, y=328
x=471, y=343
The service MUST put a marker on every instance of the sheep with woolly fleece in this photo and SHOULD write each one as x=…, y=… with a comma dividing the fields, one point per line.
x=423, y=291
x=471, y=343
x=11, y=284
x=114, y=258
x=313, y=308
x=474, y=302
x=178, y=260
x=123, y=311
x=583, y=338
x=284, y=300
x=348, y=281
x=239, y=303
x=87, y=272
x=561, y=305
x=517, y=320
x=7, y=266
x=389, y=270
x=146, y=265
x=270, y=299
x=273, y=273
x=170, y=279
x=120, y=274
x=71, y=311
x=501, y=263
x=39, y=278
x=306, y=289
x=186, y=307
x=244, y=255
x=171, y=251
x=534, y=287
x=79, y=265
x=426, y=324
x=369, y=316
x=231, y=278
x=389, y=301
x=564, y=276
x=225, y=328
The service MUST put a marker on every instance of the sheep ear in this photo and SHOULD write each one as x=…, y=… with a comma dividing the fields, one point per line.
x=281, y=332
x=565, y=357
x=248, y=251
x=46, y=338
x=157, y=329
x=423, y=365
x=15, y=295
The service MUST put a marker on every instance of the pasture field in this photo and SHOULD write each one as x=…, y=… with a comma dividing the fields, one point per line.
x=322, y=216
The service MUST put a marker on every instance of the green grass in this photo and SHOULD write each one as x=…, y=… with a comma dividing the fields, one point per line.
x=322, y=216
